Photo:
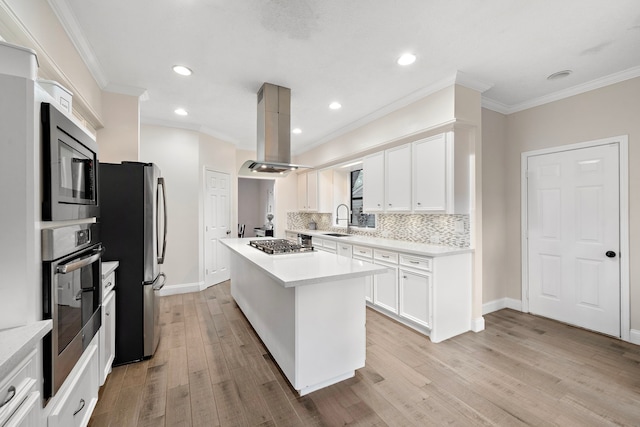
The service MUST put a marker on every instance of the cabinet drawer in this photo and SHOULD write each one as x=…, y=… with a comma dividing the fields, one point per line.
x=80, y=395
x=330, y=244
x=108, y=283
x=28, y=414
x=345, y=250
x=362, y=252
x=15, y=388
x=415, y=261
x=385, y=256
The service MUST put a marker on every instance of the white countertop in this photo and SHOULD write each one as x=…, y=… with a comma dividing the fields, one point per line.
x=16, y=343
x=389, y=244
x=108, y=267
x=303, y=268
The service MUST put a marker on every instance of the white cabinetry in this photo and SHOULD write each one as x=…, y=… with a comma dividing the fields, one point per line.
x=398, y=179
x=345, y=250
x=385, y=286
x=107, y=350
x=308, y=191
x=416, y=292
x=441, y=175
x=315, y=191
x=78, y=396
x=373, y=191
x=108, y=336
x=19, y=396
x=324, y=245
x=365, y=254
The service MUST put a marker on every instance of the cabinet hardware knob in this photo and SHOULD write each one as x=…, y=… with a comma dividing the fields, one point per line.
x=610, y=254
x=108, y=314
x=80, y=408
x=404, y=277
x=419, y=203
x=10, y=395
x=385, y=256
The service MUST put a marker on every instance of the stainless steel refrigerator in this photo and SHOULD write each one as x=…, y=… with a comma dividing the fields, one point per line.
x=133, y=226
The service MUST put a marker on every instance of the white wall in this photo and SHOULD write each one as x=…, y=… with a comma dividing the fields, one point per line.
x=175, y=151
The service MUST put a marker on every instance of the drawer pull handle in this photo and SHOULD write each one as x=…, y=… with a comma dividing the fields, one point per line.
x=362, y=252
x=80, y=408
x=385, y=256
x=414, y=262
x=108, y=313
x=10, y=395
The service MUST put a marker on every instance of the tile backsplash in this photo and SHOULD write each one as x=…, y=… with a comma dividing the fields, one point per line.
x=438, y=229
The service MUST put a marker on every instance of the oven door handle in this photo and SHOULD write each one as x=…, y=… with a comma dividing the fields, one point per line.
x=82, y=262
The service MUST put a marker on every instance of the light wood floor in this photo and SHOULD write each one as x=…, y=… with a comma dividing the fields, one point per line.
x=211, y=369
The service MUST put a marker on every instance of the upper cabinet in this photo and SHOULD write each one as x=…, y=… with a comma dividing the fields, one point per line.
x=373, y=190
x=441, y=175
x=315, y=191
x=398, y=179
x=430, y=175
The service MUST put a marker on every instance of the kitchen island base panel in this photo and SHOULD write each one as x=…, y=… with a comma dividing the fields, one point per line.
x=315, y=333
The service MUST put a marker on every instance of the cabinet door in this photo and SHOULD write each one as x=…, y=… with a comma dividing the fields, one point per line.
x=368, y=289
x=415, y=297
x=312, y=191
x=398, y=179
x=110, y=332
x=373, y=190
x=429, y=174
x=385, y=289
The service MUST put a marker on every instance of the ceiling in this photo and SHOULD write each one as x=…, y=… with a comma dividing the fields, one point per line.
x=345, y=51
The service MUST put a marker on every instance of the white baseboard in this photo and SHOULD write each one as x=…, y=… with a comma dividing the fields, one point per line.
x=183, y=288
x=499, y=304
x=634, y=336
x=477, y=324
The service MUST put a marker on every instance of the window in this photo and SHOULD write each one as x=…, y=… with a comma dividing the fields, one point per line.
x=358, y=218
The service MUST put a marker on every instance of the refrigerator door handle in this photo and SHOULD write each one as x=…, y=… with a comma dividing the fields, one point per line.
x=157, y=287
x=164, y=211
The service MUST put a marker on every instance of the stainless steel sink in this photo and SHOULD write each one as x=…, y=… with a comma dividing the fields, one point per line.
x=336, y=234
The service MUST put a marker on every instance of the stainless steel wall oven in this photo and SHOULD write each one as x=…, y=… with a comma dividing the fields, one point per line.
x=70, y=168
x=71, y=297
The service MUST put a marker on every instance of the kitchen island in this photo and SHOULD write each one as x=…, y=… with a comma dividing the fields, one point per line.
x=308, y=308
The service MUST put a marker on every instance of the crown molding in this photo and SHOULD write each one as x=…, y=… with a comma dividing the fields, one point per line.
x=73, y=29
x=621, y=76
x=139, y=92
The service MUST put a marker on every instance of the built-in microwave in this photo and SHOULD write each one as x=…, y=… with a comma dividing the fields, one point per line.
x=70, y=168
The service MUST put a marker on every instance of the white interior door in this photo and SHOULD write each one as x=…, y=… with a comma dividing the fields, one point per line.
x=216, y=226
x=573, y=229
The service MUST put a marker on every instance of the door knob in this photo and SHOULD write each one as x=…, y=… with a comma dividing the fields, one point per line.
x=610, y=254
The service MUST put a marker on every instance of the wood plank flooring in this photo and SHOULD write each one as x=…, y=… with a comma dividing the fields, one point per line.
x=211, y=369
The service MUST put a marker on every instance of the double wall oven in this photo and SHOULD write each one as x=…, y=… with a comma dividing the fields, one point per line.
x=71, y=244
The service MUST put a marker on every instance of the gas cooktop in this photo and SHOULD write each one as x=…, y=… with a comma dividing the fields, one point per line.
x=279, y=246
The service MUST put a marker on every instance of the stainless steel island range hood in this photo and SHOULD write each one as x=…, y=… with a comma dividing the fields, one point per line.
x=274, y=135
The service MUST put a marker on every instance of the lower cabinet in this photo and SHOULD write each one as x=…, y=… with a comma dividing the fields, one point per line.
x=416, y=290
x=77, y=398
x=107, y=335
x=19, y=397
x=385, y=288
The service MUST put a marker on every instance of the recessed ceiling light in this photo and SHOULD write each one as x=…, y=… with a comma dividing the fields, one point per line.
x=559, y=75
x=407, y=59
x=296, y=130
x=335, y=106
x=181, y=111
x=182, y=70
